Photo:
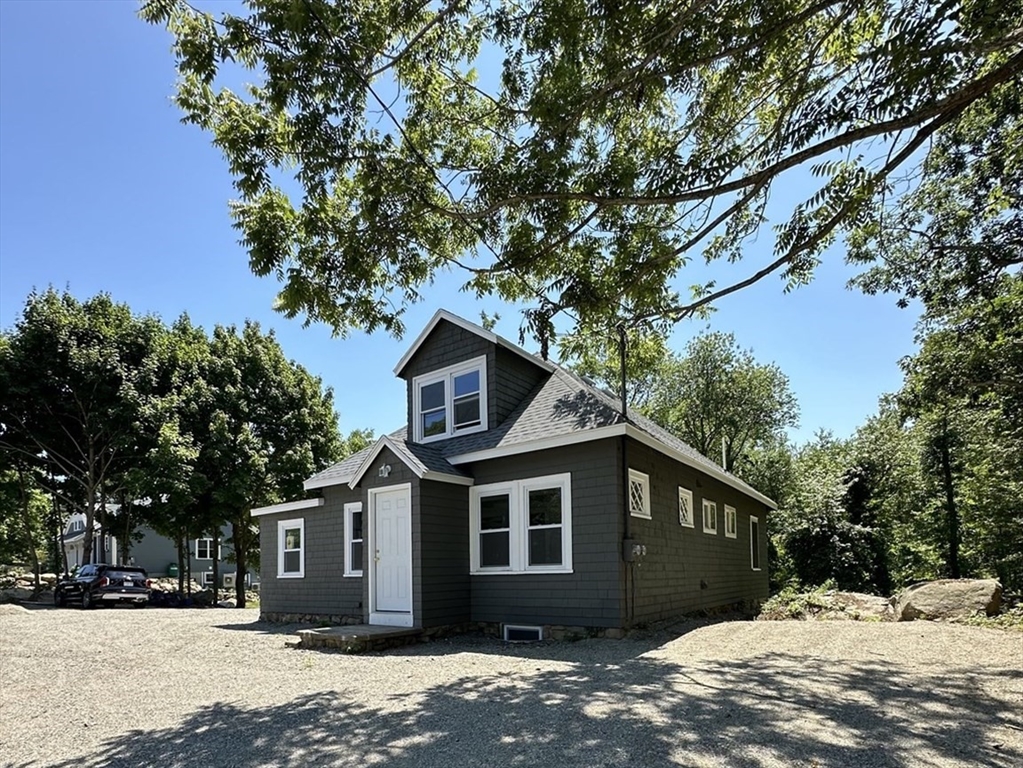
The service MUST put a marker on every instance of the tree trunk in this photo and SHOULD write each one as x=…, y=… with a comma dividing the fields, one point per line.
x=215, y=554
x=90, y=518
x=952, y=513
x=181, y=561
x=30, y=537
x=241, y=558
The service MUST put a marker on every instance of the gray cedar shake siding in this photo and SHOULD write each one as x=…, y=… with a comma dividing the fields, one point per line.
x=590, y=596
x=682, y=570
x=324, y=590
x=686, y=569
x=509, y=377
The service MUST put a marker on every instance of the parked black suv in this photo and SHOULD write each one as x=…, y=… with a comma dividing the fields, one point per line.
x=101, y=584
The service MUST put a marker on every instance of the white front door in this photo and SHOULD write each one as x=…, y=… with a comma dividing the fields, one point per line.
x=392, y=556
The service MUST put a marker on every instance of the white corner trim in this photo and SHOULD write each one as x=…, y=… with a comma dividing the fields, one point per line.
x=288, y=506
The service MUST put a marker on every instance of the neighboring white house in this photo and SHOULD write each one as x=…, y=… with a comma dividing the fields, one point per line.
x=74, y=543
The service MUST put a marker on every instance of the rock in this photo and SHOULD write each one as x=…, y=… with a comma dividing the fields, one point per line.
x=15, y=594
x=948, y=599
x=856, y=605
x=49, y=578
x=228, y=604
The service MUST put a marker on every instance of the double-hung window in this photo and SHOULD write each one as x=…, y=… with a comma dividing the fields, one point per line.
x=204, y=549
x=731, y=523
x=522, y=526
x=354, y=539
x=710, y=516
x=291, y=549
x=451, y=401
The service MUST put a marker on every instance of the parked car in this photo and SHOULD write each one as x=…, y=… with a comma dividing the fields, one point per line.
x=102, y=584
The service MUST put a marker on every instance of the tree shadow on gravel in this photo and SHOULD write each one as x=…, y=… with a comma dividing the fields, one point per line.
x=786, y=710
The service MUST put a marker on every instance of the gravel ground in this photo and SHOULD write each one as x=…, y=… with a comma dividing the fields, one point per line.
x=194, y=688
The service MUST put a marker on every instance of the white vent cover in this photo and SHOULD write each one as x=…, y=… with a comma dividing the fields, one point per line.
x=229, y=579
x=521, y=633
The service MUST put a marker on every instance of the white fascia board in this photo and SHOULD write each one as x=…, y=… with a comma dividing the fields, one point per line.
x=383, y=442
x=444, y=477
x=616, y=430
x=325, y=482
x=483, y=333
x=572, y=438
x=288, y=506
x=718, y=474
x=441, y=314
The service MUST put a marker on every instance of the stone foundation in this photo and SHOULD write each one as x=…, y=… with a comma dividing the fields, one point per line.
x=310, y=618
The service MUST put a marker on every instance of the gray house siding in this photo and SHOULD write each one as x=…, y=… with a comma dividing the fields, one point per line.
x=323, y=590
x=510, y=377
x=154, y=552
x=592, y=594
x=450, y=345
x=515, y=378
x=444, y=586
x=686, y=569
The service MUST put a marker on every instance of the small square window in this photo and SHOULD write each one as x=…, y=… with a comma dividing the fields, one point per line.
x=685, y=507
x=730, y=522
x=710, y=516
x=204, y=549
x=639, y=494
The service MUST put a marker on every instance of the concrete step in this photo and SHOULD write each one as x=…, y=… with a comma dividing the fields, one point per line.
x=357, y=638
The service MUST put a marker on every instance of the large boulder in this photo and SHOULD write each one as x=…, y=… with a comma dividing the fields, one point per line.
x=948, y=599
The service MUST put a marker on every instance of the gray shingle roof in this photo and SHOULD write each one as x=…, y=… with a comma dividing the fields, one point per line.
x=561, y=405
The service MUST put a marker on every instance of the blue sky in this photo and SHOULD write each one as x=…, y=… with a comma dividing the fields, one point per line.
x=103, y=189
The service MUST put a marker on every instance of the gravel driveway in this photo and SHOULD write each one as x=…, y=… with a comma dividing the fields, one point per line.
x=195, y=688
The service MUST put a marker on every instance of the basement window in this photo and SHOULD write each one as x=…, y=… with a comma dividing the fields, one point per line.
x=518, y=633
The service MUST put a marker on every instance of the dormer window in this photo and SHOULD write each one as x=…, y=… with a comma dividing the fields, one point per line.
x=451, y=401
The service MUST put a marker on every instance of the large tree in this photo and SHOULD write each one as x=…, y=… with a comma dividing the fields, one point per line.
x=577, y=156
x=74, y=378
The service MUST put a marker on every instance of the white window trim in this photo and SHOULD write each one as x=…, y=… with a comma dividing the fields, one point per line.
x=447, y=375
x=713, y=506
x=644, y=480
x=731, y=517
x=685, y=496
x=518, y=520
x=350, y=509
x=754, y=543
x=220, y=550
x=207, y=578
x=282, y=526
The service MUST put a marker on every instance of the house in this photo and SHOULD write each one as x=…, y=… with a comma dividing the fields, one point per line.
x=149, y=550
x=517, y=496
